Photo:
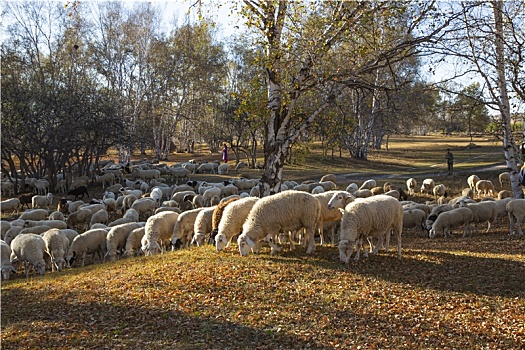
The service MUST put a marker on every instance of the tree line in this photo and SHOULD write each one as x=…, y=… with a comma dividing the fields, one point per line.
x=80, y=79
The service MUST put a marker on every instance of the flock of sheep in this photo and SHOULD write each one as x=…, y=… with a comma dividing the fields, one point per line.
x=140, y=214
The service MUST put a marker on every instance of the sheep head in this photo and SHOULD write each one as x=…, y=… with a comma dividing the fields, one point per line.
x=245, y=244
x=346, y=248
x=221, y=241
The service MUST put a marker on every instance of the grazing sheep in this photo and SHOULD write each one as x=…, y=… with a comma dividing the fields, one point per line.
x=61, y=186
x=370, y=217
x=427, y=186
x=442, y=200
x=79, y=191
x=181, y=195
x=133, y=242
x=179, y=173
x=318, y=190
x=328, y=214
x=100, y=217
x=435, y=212
x=468, y=192
x=340, y=199
x=70, y=234
x=143, y=206
x=117, y=237
x=389, y=187
x=352, y=188
x=232, y=219
x=57, y=244
x=414, y=218
x=12, y=233
x=368, y=184
x=9, y=205
x=24, y=200
x=50, y=223
x=448, y=220
x=223, y=169
x=39, y=201
x=209, y=193
x=41, y=186
x=29, y=248
x=411, y=186
x=158, y=232
x=145, y=174
x=80, y=218
x=329, y=177
x=183, y=230
x=7, y=188
x=485, y=187
x=207, y=168
x=115, y=189
x=504, y=179
x=439, y=191
x=505, y=194
x=156, y=194
x=218, y=212
x=57, y=215
x=128, y=201
x=107, y=179
x=377, y=190
x=482, y=212
x=34, y=214
x=516, y=210
x=5, y=264
x=4, y=227
x=202, y=227
x=281, y=212
x=90, y=242
x=240, y=166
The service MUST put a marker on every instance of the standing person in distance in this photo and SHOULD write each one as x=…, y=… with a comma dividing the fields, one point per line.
x=450, y=161
x=225, y=154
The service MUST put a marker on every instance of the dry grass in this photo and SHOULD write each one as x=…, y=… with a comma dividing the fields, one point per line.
x=457, y=293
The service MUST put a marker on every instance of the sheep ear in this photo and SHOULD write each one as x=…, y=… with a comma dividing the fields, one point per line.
x=250, y=242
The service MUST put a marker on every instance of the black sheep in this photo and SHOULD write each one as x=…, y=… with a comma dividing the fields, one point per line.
x=82, y=190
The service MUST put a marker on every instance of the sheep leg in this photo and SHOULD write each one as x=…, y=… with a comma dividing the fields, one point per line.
x=511, y=224
x=518, y=224
x=310, y=233
x=26, y=265
x=358, y=244
x=321, y=232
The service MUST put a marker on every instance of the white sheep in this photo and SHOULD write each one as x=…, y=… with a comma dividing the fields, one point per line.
x=5, y=256
x=4, y=227
x=12, y=233
x=90, y=242
x=318, y=190
x=448, y=220
x=427, y=186
x=9, y=205
x=117, y=237
x=486, y=211
x=34, y=214
x=7, y=188
x=240, y=166
x=504, y=179
x=281, y=212
x=370, y=217
x=329, y=177
x=39, y=201
x=183, y=230
x=363, y=193
x=516, y=210
x=106, y=179
x=41, y=186
x=485, y=187
x=411, y=186
x=207, y=168
x=80, y=218
x=50, y=223
x=57, y=215
x=435, y=212
x=29, y=248
x=202, y=226
x=70, y=234
x=143, y=206
x=328, y=214
x=127, y=201
x=74, y=206
x=340, y=200
x=100, y=217
x=61, y=186
x=368, y=184
x=125, y=191
x=505, y=194
x=156, y=194
x=223, y=169
x=351, y=188
x=209, y=193
x=439, y=190
x=414, y=218
x=57, y=245
x=145, y=173
x=179, y=173
x=159, y=230
x=233, y=217
x=133, y=242
x=472, y=180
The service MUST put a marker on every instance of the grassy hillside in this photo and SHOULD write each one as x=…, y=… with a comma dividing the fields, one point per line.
x=455, y=293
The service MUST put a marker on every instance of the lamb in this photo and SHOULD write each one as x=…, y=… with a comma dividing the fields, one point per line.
x=34, y=214
x=183, y=230
x=74, y=206
x=411, y=186
x=482, y=212
x=158, y=232
x=57, y=244
x=90, y=242
x=144, y=206
x=368, y=184
x=209, y=193
x=5, y=264
x=414, y=218
x=117, y=237
x=448, y=220
x=133, y=242
x=427, y=186
x=79, y=191
x=29, y=248
x=232, y=219
x=468, y=192
x=42, y=201
x=100, y=216
x=472, y=180
x=393, y=194
x=202, y=227
x=516, y=210
x=281, y=212
x=485, y=187
x=504, y=179
x=9, y=205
